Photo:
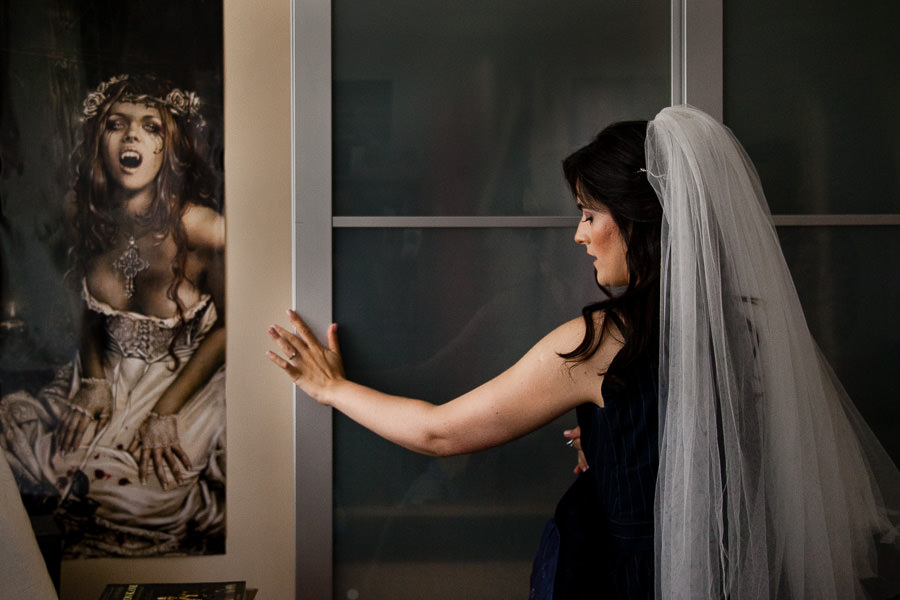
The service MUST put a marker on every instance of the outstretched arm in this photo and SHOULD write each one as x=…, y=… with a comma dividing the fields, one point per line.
x=535, y=390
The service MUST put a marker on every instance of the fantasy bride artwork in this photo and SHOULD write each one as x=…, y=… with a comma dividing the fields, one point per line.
x=128, y=440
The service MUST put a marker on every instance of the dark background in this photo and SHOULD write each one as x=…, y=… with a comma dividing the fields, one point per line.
x=52, y=53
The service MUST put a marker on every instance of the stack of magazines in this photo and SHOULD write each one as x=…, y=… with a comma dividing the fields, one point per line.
x=216, y=590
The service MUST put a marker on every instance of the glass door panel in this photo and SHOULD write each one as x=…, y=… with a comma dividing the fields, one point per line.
x=851, y=308
x=467, y=108
x=448, y=109
x=812, y=92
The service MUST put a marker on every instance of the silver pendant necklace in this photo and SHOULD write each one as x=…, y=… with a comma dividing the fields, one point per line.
x=129, y=264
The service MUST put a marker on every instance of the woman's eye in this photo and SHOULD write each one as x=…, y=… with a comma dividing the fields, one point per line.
x=153, y=128
x=586, y=218
x=114, y=124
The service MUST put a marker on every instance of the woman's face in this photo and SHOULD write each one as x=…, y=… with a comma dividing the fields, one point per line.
x=602, y=239
x=132, y=145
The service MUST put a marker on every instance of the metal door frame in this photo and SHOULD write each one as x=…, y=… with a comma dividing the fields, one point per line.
x=696, y=79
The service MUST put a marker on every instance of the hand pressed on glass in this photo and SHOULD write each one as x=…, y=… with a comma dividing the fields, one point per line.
x=314, y=368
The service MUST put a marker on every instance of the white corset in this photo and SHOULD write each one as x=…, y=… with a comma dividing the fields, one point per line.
x=147, y=337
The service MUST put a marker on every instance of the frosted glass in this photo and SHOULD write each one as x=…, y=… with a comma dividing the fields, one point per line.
x=431, y=313
x=811, y=89
x=464, y=108
x=850, y=296
x=468, y=107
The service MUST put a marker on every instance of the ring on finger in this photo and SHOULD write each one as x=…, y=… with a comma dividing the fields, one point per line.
x=292, y=356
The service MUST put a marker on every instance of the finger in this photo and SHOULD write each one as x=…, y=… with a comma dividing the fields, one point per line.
x=182, y=456
x=574, y=437
x=287, y=342
x=63, y=418
x=133, y=447
x=144, y=470
x=174, y=466
x=61, y=431
x=582, y=465
x=159, y=467
x=333, y=343
x=582, y=460
x=176, y=457
x=303, y=331
x=573, y=433
x=68, y=437
x=103, y=420
x=280, y=362
x=80, y=428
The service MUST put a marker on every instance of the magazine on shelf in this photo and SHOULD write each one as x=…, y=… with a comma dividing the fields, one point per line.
x=214, y=590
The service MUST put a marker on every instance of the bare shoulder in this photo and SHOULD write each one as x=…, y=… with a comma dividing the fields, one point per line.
x=564, y=338
x=569, y=335
x=204, y=227
x=583, y=375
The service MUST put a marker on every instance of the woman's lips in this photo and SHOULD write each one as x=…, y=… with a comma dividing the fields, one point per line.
x=130, y=159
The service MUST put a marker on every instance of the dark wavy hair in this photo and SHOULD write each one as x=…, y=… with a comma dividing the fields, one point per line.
x=185, y=177
x=609, y=173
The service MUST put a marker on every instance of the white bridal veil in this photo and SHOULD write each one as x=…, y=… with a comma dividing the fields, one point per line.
x=770, y=484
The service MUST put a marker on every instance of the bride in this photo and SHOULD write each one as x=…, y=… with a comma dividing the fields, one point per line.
x=722, y=458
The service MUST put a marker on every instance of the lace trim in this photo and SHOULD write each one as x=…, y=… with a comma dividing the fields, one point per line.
x=148, y=337
x=103, y=308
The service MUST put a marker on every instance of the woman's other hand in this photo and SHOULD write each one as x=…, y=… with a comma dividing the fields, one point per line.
x=92, y=402
x=158, y=443
x=312, y=367
x=574, y=437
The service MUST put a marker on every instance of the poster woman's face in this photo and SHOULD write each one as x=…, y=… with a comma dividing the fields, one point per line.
x=132, y=145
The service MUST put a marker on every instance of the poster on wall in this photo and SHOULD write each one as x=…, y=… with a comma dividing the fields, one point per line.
x=112, y=234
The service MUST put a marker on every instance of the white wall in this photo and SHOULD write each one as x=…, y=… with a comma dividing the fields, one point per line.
x=260, y=539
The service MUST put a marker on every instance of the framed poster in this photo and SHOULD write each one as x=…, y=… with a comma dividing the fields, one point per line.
x=112, y=333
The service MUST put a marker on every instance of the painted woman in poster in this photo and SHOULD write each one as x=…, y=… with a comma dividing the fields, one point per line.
x=130, y=435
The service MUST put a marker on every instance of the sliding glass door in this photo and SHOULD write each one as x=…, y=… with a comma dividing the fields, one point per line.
x=431, y=221
x=453, y=254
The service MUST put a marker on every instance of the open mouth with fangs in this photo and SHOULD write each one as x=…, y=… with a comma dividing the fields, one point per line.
x=130, y=159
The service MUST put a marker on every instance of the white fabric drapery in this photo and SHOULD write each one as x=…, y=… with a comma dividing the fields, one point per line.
x=770, y=484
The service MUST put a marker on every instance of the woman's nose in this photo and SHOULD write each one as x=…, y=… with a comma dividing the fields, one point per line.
x=132, y=132
x=580, y=237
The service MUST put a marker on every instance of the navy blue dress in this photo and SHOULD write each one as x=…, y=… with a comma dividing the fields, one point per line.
x=600, y=541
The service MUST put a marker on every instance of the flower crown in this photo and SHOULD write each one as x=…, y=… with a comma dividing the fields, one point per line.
x=180, y=103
